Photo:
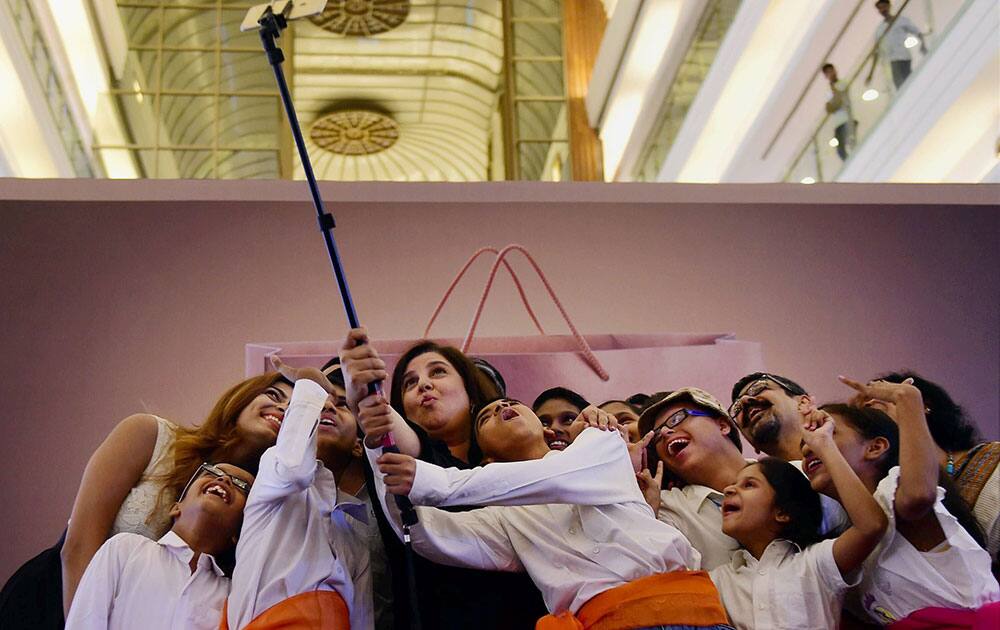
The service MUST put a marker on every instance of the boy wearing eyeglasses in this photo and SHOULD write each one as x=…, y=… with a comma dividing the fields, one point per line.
x=696, y=444
x=301, y=562
x=176, y=581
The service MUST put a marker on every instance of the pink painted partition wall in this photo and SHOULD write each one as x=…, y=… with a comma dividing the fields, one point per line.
x=121, y=297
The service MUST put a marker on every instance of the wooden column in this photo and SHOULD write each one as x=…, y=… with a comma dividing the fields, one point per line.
x=583, y=28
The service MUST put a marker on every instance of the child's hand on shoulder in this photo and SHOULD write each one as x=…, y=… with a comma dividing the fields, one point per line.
x=598, y=418
x=399, y=472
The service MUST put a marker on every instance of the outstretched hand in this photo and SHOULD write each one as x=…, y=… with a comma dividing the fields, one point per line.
x=883, y=390
x=293, y=374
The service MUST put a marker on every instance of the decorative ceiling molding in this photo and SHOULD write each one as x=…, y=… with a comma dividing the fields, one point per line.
x=362, y=18
x=354, y=132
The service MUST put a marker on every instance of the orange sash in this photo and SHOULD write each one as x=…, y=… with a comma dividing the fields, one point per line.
x=315, y=609
x=665, y=599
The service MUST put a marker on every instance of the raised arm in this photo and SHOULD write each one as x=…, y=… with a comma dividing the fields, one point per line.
x=290, y=464
x=113, y=470
x=475, y=539
x=919, y=468
x=361, y=366
x=594, y=470
x=868, y=521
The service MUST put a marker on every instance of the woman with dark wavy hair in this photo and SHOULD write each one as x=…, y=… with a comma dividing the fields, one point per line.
x=433, y=390
x=131, y=481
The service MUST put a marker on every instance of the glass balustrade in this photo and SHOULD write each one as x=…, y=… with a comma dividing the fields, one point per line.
x=868, y=90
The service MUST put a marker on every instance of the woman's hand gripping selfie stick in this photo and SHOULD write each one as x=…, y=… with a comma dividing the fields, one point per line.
x=271, y=24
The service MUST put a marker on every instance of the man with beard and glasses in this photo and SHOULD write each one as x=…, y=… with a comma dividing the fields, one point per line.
x=770, y=410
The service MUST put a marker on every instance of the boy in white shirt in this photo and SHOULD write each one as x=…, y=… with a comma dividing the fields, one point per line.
x=175, y=582
x=696, y=442
x=301, y=561
x=575, y=520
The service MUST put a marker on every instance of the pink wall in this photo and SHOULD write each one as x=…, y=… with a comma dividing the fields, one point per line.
x=139, y=296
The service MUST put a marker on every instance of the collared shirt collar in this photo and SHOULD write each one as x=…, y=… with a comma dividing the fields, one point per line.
x=176, y=545
x=700, y=493
x=333, y=499
x=354, y=506
x=779, y=546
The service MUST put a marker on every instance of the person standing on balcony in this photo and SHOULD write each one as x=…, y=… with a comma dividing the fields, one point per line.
x=893, y=45
x=839, y=108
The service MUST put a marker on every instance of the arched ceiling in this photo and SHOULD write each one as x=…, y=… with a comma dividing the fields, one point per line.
x=437, y=75
x=427, y=83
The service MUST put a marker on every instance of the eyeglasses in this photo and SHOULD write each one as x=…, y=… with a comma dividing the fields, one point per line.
x=753, y=390
x=210, y=469
x=680, y=416
x=499, y=405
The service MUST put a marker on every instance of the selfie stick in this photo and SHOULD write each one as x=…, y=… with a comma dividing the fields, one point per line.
x=271, y=24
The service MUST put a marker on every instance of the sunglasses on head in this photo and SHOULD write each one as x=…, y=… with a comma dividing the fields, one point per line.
x=753, y=390
x=214, y=471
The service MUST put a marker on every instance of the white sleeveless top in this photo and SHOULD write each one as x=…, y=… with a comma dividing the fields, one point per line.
x=141, y=499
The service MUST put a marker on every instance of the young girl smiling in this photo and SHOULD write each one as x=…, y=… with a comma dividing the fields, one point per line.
x=782, y=577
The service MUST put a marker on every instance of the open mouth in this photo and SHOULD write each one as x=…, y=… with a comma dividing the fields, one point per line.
x=215, y=489
x=729, y=509
x=676, y=445
x=508, y=413
x=558, y=445
x=273, y=420
x=328, y=420
x=812, y=465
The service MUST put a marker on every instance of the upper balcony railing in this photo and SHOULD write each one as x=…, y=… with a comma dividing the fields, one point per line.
x=867, y=92
x=713, y=25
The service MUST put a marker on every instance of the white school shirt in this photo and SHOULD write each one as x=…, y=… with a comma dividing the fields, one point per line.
x=787, y=588
x=133, y=582
x=899, y=579
x=695, y=511
x=297, y=536
x=572, y=552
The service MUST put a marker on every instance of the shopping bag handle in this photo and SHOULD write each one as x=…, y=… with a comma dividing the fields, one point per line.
x=458, y=278
x=588, y=354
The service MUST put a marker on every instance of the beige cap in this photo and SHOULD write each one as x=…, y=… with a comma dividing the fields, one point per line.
x=698, y=396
